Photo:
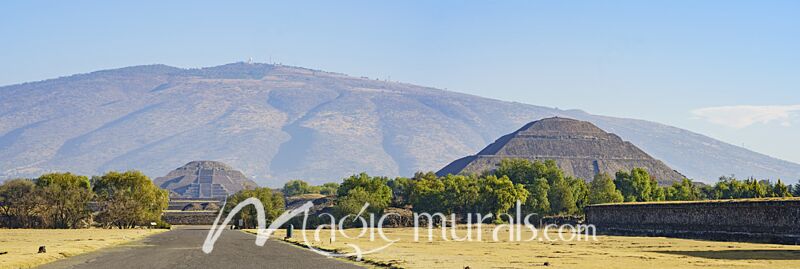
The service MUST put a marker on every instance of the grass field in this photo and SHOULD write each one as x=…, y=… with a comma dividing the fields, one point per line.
x=606, y=252
x=22, y=244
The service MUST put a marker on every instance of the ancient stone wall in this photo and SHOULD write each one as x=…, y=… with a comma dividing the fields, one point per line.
x=762, y=220
x=190, y=217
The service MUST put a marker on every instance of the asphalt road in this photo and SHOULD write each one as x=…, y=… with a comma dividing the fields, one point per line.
x=180, y=248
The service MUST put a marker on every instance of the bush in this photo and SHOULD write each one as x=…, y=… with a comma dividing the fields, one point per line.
x=161, y=224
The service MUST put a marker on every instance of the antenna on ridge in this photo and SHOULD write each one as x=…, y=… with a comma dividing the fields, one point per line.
x=250, y=60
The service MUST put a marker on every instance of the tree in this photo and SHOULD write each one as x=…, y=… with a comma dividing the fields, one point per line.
x=68, y=197
x=366, y=189
x=128, y=199
x=602, y=190
x=523, y=171
x=401, y=189
x=297, y=187
x=561, y=197
x=273, y=202
x=19, y=204
x=755, y=188
x=683, y=191
x=566, y=195
x=796, y=190
x=352, y=203
x=780, y=190
x=705, y=192
x=517, y=170
x=461, y=194
x=328, y=189
x=727, y=188
x=537, y=200
x=638, y=186
x=498, y=195
x=658, y=193
x=580, y=192
x=427, y=193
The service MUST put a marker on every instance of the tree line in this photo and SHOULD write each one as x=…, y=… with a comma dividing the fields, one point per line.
x=65, y=200
x=130, y=199
x=541, y=186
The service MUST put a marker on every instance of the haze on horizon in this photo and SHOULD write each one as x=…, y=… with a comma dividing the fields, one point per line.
x=727, y=69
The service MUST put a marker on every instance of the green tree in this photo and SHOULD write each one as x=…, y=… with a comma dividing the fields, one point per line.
x=128, y=199
x=68, y=197
x=796, y=190
x=565, y=195
x=401, y=189
x=523, y=171
x=328, y=189
x=20, y=204
x=780, y=190
x=273, y=202
x=372, y=190
x=352, y=203
x=756, y=189
x=602, y=190
x=461, y=194
x=727, y=188
x=537, y=200
x=297, y=187
x=561, y=197
x=517, y=170
x=706, y=192
x=580, y=192
x=638, y=186
x=427, y=193
x=498, y=195
x=658, y=193
x=684, y=190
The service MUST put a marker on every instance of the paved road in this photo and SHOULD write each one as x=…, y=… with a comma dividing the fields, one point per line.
x=180, y=248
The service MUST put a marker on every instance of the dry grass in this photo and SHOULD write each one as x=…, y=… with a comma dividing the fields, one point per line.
x=606, y=252
x=22, y=244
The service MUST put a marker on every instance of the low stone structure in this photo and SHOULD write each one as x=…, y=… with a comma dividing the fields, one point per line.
x=190, y=217
x=193, y=204
x=754, y=220
x=191, y=211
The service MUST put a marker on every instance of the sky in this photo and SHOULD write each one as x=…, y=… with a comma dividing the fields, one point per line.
x=726, y=69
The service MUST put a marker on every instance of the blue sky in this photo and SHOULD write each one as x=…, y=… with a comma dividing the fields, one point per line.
x=727, y=69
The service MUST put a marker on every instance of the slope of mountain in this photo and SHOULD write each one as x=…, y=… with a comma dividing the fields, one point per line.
x=277, y=123
x=579, y=148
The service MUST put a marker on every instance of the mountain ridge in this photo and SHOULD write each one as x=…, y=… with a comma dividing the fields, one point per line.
x=156, y=117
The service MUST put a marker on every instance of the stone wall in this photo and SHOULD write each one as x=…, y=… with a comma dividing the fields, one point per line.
x=190, y=217
x=761, y=220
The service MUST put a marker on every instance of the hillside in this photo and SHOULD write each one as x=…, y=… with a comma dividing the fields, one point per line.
x=278, y=122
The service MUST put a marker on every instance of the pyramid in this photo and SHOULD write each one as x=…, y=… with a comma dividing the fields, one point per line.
x=579, y=148
x=204, y=180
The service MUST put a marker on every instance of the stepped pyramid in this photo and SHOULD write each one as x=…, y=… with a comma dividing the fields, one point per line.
x=580, y=148
x=204, y=180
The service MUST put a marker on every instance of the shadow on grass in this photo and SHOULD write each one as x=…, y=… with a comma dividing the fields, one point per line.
x=740, y=254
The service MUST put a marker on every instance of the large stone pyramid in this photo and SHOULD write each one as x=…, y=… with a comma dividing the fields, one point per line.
x=204, y=180
x=580, y=148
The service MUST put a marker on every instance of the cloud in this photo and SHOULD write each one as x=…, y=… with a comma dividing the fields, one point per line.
x=744, y=115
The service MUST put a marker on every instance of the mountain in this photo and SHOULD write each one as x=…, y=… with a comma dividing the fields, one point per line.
x=578, y=147
x=277, y=122
x=204, y=180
